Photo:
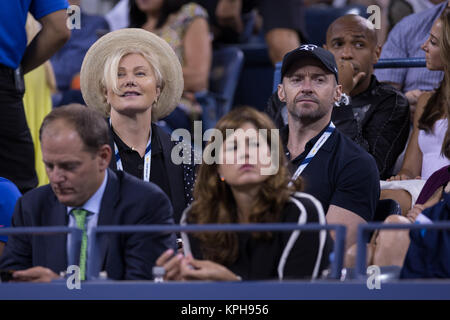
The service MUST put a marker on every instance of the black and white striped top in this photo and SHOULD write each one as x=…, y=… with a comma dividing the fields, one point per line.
x=287, y=255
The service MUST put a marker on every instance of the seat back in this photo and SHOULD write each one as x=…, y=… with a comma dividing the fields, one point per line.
x=318, y=18
x=385, y=208
x=224, y=76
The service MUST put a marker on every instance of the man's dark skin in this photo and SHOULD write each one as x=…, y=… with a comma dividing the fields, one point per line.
x=377, y=118
x=51, y=38
x=353, y=42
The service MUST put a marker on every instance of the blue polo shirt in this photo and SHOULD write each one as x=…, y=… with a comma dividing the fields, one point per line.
x=341, y=173
x=13, y=16
x=8, y=198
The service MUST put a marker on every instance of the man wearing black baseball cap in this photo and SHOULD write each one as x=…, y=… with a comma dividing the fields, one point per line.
x=312, y=51
x=335, y=170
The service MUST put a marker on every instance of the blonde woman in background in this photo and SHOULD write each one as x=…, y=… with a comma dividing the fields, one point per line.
x=39, y=84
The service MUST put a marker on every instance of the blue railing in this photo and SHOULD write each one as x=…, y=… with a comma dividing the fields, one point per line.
x=382, y=63
x=259, y=290
x=400, y=63
x=93, y=269
x=365, y=229
x=76, y=233
x=339, y=244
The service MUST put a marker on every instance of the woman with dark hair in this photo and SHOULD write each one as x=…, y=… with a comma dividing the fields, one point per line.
x=430, y=138
x=185, y=27
x=428, y=154
x=237, y=189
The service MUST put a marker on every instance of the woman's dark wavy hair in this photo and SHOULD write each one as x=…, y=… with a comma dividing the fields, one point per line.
x=138, y=18
x=438, y=104
x=214, y=201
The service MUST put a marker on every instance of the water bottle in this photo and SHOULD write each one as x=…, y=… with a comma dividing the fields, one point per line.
x=158, y=274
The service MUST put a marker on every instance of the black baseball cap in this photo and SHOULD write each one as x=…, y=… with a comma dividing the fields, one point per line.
x=312, y=51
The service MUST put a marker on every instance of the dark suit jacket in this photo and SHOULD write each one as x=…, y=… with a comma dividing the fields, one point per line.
x=175, y=180
x=126, y=201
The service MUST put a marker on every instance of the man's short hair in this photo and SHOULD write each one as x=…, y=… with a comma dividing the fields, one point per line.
x=90, y=125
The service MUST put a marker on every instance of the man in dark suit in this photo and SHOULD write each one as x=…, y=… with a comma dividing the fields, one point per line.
x=84, y=193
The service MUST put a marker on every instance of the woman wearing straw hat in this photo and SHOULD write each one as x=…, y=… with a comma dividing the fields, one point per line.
x=133, y=77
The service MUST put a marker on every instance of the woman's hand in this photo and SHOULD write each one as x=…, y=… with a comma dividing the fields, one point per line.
x=192, y=269
x=414, y=212
x=171, y=264
x=413, y=98
x=402, y=176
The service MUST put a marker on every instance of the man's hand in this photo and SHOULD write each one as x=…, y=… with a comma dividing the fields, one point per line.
x=228, y=14
x=35, y=274
x=192, y=269
x=347, y=77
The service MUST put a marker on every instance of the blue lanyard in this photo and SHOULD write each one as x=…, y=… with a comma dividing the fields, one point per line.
x=147, y=157
x=319, y=143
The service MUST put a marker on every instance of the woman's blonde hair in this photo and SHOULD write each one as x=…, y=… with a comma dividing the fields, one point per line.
x=110, y=79
x=214, y=201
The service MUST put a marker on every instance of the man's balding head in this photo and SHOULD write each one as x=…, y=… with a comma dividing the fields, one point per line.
x=358, y=23
x=352, y=40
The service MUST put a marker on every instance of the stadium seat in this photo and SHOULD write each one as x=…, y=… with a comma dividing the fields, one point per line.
x=318, y=18
x=385, y=208
x=224, y=76
x=255, y=82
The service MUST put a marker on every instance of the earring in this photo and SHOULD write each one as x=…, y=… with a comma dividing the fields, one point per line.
x=222, y=179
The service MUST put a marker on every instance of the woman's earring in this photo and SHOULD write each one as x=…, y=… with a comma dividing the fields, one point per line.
x=222, y=179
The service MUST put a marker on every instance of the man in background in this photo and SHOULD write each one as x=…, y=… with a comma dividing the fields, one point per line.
x=16, y=59
x=84, y=193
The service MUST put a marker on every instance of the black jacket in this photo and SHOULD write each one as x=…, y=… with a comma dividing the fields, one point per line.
x=260, y=259
x=126, y=201
x=175, y=180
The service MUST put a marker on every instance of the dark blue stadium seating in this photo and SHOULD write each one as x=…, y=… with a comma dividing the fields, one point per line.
x=225, y=71
x=385, y=208
x=318, y=19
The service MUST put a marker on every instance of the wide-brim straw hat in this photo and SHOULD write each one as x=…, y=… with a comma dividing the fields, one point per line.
x=92, y=69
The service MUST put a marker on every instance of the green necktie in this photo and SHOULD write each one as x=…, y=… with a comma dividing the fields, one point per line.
x=80, y=217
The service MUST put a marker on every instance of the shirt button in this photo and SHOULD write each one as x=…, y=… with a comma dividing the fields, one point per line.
x=140, y=167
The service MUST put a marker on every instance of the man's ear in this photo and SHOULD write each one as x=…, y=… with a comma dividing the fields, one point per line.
x=376, y=54
x=325, y=46
x=281, y=93
x=338, y=93
x=104, y=156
